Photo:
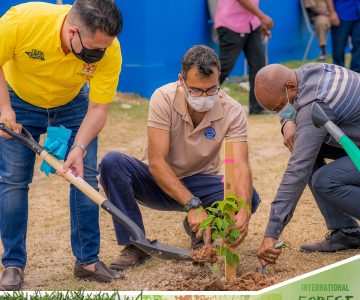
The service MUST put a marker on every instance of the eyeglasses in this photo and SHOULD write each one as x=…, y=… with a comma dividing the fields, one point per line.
x=199, y=92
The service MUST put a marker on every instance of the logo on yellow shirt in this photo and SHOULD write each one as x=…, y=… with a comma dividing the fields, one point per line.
x=36, y=54
x=87, y=71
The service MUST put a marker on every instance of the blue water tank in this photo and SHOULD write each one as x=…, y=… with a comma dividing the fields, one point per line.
x=289, y=35
x=156, y=35
x=5, y=5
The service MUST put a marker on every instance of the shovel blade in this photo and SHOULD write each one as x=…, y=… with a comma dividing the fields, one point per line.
x=162, y=251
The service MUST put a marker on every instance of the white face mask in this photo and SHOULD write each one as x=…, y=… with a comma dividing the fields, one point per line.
x=201, y=104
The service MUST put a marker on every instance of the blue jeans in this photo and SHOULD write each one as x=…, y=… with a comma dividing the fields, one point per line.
x=128, y=181
x=339, y=38
x=16, y=172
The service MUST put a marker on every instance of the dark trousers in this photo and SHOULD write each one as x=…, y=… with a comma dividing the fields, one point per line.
x=231, y=44
x=128, y=181
x=340, y=36
x=336, y=188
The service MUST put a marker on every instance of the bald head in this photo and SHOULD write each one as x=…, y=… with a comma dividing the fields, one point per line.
x=271, y=83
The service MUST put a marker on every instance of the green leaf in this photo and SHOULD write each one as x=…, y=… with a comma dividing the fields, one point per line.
x=229, y=256
x=214, y=235
x=218, y=223
x=221, y=206
x=231, y=206
x=216, y=203
x=231, y=197
x=226, y=215
x=225, y=224
x=207, y=222
x=215, y=267
x=236, y=259
x=223, y=251
x=231, y=222
x=230, y=239
x=235, y=233
x=212, y=210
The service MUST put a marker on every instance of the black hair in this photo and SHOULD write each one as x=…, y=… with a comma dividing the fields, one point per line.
x=94, y=15
x=203, y=57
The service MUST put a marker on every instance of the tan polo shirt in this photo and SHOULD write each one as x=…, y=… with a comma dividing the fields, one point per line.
x=195, y=150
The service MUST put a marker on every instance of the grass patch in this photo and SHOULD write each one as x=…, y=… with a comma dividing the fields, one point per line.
x=76, y=295
x=131, y=106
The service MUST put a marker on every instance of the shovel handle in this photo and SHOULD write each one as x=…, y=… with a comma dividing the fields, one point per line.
x=26, y=138
x=351, y=149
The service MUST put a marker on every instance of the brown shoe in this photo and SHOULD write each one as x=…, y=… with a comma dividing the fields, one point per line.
x=130, y=256
x=12, y=279
x=101, y=274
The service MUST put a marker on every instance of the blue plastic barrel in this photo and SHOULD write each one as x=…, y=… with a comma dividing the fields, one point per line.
x=289, y=35
x=155, y=37
x=5, y=5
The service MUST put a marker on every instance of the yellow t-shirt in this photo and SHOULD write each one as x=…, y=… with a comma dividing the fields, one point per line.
x=36, y=67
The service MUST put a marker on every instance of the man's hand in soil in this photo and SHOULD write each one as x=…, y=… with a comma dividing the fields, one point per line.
x=195, y=217
x=242, y=219
x=75, y=162
x=267, y=253
x=7, y=116
x=289, y=131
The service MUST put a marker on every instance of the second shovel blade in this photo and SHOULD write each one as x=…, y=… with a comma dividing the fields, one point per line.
x=163, y=251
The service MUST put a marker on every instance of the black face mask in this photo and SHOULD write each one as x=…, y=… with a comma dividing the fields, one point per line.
x=88, y=55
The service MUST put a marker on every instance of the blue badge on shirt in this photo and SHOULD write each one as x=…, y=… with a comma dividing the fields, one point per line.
x=210, y=133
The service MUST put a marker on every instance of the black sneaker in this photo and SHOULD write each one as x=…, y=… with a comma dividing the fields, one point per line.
x=335, y=240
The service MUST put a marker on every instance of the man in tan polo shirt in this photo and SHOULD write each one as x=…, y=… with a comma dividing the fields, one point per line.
x=188, y=121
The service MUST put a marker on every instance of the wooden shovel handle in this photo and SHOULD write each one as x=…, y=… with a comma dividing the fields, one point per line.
x=72, y=177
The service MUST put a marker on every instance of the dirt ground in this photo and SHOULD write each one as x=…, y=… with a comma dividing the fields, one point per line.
x=50, y=260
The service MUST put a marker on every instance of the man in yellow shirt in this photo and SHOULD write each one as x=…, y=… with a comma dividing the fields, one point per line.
x=48, y=54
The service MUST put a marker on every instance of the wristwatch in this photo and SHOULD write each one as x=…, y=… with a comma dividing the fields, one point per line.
x=192, y=203
x=79, y=145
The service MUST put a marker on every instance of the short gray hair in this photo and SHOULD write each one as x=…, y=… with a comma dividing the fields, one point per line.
x=94, y=15
x=203, y=57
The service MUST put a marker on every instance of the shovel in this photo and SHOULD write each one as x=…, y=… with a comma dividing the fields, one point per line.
x=325, y=118
x=138, y=238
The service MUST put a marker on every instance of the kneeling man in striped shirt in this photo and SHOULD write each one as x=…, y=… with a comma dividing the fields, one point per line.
x=336, y=185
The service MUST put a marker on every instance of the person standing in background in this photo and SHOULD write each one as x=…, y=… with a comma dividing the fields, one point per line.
x=240, y=24
x=345, y=21
x=319, y=14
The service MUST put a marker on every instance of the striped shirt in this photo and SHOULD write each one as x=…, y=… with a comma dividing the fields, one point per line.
x=340, y=89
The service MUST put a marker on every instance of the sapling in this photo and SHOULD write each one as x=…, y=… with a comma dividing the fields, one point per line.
x=220, y=220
